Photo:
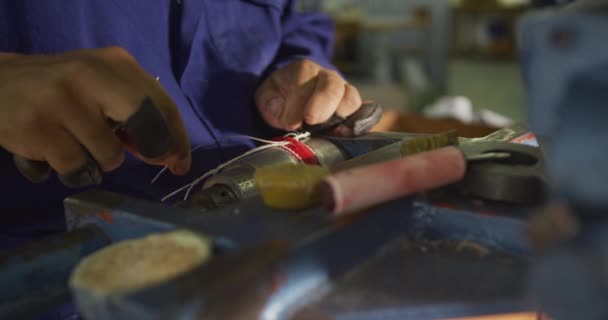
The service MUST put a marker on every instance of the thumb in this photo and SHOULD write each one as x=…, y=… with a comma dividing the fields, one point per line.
x=270, y=103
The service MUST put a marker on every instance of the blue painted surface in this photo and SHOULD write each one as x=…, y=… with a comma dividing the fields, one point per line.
x=35, y=277
x=321, y=251
x=496, y=232
x=123, y=225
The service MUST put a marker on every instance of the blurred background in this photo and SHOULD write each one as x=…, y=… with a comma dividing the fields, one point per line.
x=437, y=57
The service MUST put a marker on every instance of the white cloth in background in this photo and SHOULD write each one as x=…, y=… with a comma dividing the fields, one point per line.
x=461, y=108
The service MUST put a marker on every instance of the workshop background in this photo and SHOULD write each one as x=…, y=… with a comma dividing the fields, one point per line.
x=407, y=54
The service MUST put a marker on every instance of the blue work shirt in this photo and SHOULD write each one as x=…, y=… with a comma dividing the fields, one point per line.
x=208, y=54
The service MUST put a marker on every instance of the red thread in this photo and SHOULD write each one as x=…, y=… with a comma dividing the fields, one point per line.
x=299, y=150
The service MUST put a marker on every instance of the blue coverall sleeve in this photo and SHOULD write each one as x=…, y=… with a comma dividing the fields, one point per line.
x=305, y=36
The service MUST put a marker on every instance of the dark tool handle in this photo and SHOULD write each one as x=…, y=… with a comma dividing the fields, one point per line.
x=361, y=121
x=147, y=131
x=365, y=118
x=334, y=121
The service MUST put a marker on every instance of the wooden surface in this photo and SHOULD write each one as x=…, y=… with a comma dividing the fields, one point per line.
x=414, y=123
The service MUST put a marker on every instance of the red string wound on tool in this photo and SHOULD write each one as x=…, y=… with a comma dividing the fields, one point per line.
x=299, y=150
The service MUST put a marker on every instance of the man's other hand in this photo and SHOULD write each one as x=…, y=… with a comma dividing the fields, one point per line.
x=304, y=92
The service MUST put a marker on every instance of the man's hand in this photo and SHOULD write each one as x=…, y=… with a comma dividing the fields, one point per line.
x=304, y=92
x=58, y=109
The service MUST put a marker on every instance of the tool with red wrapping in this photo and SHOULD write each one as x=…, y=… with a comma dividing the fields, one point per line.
x=491, y=168
x=235, y=182
x=297, y=186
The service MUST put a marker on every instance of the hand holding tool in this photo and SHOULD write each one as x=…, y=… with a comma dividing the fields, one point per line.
x=146, y=131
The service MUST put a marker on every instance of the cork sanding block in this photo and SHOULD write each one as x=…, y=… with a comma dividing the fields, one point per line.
x=132, y=265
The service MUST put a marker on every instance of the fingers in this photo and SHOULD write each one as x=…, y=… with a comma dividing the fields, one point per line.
x=48, y=144
x=177, y=157
x=271, y=103
x=295, y=105
x=327, y=96
x=63, y=153
x=67, y=157
x=71, y=161
x=351, y=101
x=35, y=171
x=296, y=83
x=111, y=80
x=304, y=92
x=95, y=135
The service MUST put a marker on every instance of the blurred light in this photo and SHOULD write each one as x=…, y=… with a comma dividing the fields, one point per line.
x=305, y=277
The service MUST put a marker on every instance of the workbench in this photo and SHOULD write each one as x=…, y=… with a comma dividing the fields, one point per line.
x=428, y=257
